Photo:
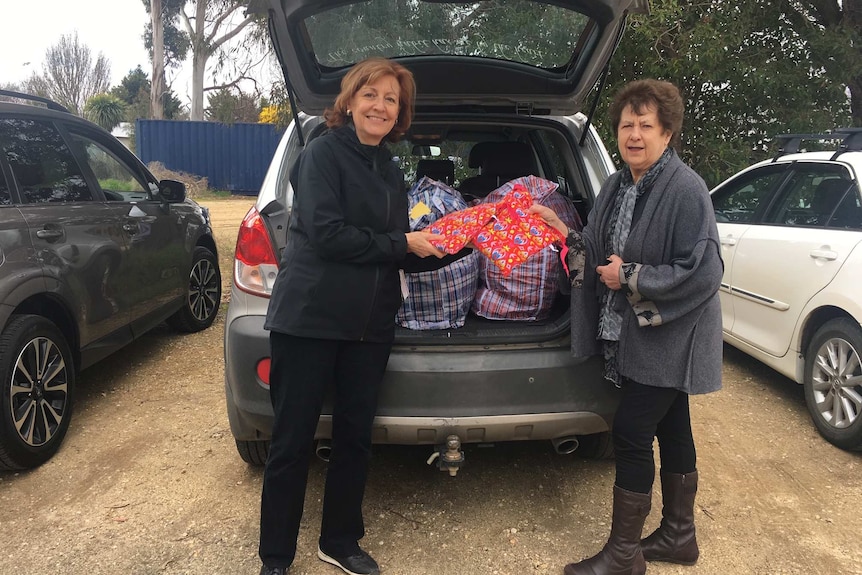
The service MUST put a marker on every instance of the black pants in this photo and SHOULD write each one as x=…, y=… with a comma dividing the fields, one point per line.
x=302, y=370
x=644, y=413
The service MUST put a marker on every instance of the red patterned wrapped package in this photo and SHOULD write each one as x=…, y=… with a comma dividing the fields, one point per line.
x=515, y=234
x=461, y=227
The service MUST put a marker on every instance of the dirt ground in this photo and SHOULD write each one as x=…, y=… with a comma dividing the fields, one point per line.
x=148, y=481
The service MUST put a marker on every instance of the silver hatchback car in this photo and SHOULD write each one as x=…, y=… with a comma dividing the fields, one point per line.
x=507, y=76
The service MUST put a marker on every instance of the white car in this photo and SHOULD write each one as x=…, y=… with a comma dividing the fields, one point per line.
x=791, y=296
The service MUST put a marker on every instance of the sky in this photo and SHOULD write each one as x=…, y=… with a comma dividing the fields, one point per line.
x=112, y=27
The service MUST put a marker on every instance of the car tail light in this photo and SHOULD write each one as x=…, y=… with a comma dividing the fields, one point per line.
x=263, y=370
x=255, y=266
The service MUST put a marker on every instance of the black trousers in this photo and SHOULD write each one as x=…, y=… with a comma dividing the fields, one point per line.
x=645, y=413
x=302, y=370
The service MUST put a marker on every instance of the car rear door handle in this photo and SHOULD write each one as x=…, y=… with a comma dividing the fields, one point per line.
x=823, y=255
x=48, y=234
x=728, y=241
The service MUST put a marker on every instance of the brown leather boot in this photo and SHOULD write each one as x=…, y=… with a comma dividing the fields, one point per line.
x=622, y=554
x=674, y=541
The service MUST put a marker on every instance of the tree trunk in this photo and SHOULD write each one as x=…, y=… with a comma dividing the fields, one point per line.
x=853, y=17
x=200, y=54
x=158, y=87
x=199, y=65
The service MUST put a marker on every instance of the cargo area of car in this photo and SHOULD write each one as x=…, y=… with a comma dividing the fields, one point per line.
x=476, y=156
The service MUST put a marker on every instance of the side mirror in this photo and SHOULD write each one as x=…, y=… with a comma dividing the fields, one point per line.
x=172, y=191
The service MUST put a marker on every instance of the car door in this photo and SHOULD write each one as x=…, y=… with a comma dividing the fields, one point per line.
x=791, y=253
x=738, y=203
x=79, y=243
x=465, y=54
x=154, y=278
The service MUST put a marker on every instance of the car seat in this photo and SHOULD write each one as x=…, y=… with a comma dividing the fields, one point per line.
x=827, y=197
x=440, y=170
x=498, y=163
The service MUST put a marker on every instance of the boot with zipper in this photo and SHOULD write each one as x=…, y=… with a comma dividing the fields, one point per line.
x=674, y=541
x=622, y=554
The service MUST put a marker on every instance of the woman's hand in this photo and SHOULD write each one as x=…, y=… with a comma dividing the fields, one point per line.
x=419, y=243
x=609, y=274
x=550, y=217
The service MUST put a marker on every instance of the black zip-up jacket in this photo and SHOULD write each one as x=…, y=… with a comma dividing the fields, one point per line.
x=338, y=275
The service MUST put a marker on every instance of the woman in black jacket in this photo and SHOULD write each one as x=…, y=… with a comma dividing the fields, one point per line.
x=332, y=312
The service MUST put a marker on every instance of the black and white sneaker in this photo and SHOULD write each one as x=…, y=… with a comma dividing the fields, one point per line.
x=360, y=564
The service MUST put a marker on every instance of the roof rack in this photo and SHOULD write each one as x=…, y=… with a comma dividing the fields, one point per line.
x=50, y=104
x=851, y=141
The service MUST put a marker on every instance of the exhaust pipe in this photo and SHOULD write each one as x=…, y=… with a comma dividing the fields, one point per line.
x=323, y=449
x=565, y=445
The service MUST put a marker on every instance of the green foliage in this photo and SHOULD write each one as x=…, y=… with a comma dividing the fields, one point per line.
x=177, y=43
x=280, y=102
x=119, y=185
x=747, y=71
x=134, y=90
x=105, y=110
x=228, y=107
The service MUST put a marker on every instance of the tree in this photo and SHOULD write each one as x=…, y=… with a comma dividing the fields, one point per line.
x=166, y=44
x=834, y=31
x=276, y=109
x=105, y=110
x=134, y=91
x=761, y=78
x=70, y=76
x=210, y=27
x=227, y=107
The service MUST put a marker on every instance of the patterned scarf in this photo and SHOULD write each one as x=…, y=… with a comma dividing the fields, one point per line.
x=616, y=234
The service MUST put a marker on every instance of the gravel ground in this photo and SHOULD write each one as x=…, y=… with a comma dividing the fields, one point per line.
x=148, y=481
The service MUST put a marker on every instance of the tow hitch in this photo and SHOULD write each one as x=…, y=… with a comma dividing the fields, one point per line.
x=449, y=456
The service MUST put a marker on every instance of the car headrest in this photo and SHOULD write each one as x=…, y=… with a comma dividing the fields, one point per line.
x=440, y=170
x=828, y=195
x=513, y=158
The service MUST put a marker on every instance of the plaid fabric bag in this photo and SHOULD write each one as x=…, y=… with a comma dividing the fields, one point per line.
x=439, y=299
x=528, y=293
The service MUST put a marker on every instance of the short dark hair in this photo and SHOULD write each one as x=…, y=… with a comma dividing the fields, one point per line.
x=367, y=72
x=641, y=94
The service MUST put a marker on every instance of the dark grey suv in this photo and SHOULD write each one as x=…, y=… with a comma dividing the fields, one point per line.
x=94, y=251
x=501, y=86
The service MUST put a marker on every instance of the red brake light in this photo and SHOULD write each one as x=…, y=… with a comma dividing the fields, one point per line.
x=253, y=246
x=262, y=369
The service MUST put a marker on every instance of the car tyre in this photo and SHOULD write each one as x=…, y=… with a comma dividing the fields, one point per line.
x=204, y=294
x=253, y=452
x=833, y=382
x=595, y=446
x=38, y=384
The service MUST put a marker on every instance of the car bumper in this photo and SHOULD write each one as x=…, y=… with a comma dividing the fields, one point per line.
x=482, y=395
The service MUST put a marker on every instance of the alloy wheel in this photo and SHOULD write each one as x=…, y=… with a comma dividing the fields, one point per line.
x=837, y=383
x=39, y=391
x=203, y=289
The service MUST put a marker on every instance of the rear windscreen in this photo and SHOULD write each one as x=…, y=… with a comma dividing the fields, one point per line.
x=527, y=32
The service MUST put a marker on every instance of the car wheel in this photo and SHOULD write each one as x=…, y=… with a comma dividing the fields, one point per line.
x=595, y=446
x=38, y=382
x=253, y=452
x=204, y=294
x=833, y=382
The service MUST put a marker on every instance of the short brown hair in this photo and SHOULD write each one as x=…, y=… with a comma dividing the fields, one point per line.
x=367, y=72
x=641, y=94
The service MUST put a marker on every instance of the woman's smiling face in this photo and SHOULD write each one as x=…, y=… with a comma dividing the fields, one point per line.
x=641, y=139
x=374, y=109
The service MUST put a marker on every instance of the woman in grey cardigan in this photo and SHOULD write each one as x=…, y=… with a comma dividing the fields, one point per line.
x=645, y=274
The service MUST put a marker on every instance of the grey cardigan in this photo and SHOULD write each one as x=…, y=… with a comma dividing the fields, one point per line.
x=671, y=332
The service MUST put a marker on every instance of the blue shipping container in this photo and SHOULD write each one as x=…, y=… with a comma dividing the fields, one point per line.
x=232, y=157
